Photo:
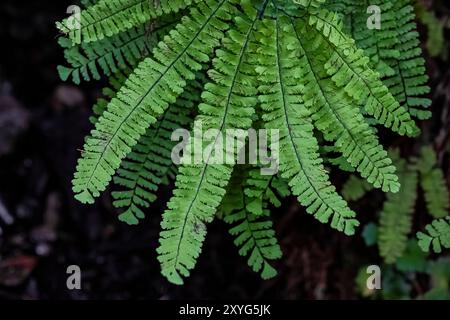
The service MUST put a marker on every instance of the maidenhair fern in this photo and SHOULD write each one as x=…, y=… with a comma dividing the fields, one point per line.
x=396, y=217
x=436, y=235
x=420, y=175
x=245, y=208
x=296, y=68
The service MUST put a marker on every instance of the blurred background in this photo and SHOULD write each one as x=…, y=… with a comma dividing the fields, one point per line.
x=43, y=230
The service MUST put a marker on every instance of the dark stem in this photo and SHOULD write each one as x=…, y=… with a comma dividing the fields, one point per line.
x=262, y=9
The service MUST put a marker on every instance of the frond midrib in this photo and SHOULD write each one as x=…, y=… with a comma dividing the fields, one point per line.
x=288, y=125
x=230, y=92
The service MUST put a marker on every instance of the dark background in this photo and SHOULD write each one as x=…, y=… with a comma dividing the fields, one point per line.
x=44, y=230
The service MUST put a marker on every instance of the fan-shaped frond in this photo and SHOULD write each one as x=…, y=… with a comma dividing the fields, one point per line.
x=292, y=67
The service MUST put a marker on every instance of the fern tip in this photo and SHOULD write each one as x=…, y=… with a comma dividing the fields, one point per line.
x=129, y=218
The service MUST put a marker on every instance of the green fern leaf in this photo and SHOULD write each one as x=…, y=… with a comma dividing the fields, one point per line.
x=116, y=82
x=109, y=55
x=349, y=68
x=341, y=121
x=437, y=236
x=146, y=94
x=409, y=83
x=396, y=217
x=252, y=226
x=281, y=72
x=107, y=18
x=433, y=184
x=150, y=163
x=302, y=69
x=256, y=239
x=355, y=188
x=310, y=3
x=201, y=187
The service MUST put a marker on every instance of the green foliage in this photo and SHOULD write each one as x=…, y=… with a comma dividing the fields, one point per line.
x=440, y=274
x=433, y=184
x=246, y=209
x=153, y=85
x=119, y=52
x=406, y=278
x=116, y=81
x=278, y=65
x=281, y=101
x=355, y=188
x=436, y=28
x=149, y=163
x=393, y=49
x=396, y=216
x=370, y=234
x=437, y=235
x=436, y=194
x=108, y=18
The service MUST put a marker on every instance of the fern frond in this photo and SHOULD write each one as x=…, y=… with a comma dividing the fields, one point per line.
x=116, y=81
x=433, y=184
x=229, y=102
x=154, y=84
x=281, y=99
x=340, y=120
x=436, y=44
x=349, y=68
x=437, y=235
x=396, y=217
x=87, y=3
x=409, y=83
x=378, y=44
x=394, y=50
x=150, y=163
x=308, y=4
x=256, y=238
x=261, y=188
x=355, y=188
x=109, y=17
x=287, y=66
x=109, y=55
x=251, y=222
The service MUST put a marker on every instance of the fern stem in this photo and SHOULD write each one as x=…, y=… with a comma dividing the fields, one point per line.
x=262, y=9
